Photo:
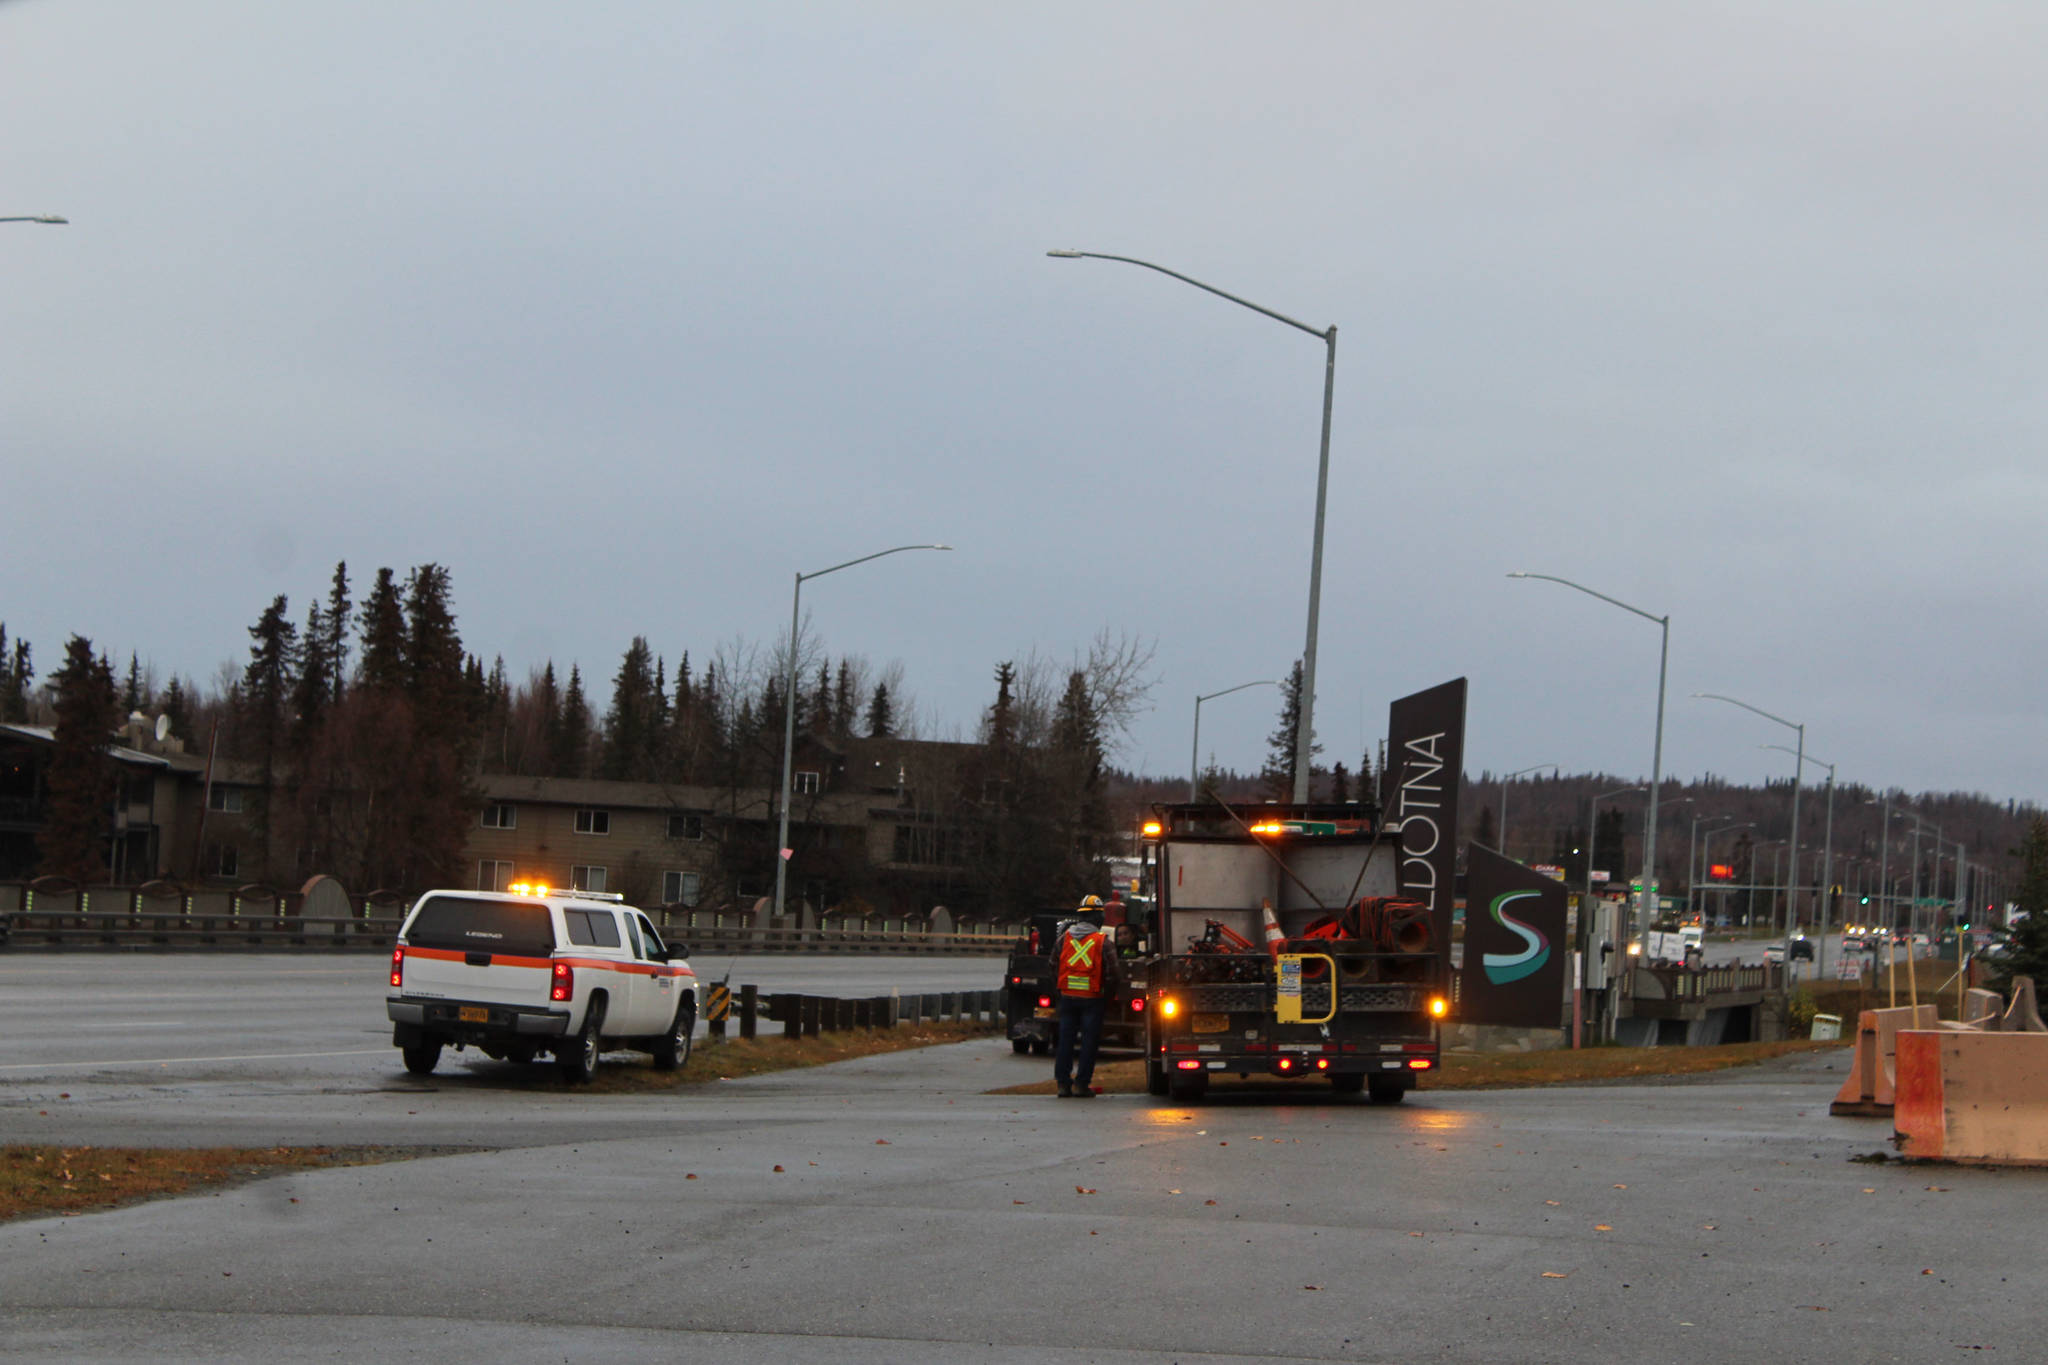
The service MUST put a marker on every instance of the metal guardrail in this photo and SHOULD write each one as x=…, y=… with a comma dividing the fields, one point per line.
x=177, y=928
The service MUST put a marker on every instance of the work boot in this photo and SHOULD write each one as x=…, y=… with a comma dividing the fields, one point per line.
x=1066, y=1092
x=1084, y=1092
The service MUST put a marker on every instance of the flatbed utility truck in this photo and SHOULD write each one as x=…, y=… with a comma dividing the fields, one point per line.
x=1283, y=949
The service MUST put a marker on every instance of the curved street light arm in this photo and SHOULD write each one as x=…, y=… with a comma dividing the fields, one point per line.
x=1325, y=334
x=1195, y=746
x=789, y=708
x=1614, y=601
x=1305, y=721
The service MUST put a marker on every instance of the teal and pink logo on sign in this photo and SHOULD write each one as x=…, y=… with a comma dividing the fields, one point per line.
x=1502, y=968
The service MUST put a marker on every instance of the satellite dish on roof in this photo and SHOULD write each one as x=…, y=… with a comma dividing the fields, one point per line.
x=163, y=728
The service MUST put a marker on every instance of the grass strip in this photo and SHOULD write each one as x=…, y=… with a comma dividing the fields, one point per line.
x=633, y=1074
x=38, y=1181
x=41, y=1181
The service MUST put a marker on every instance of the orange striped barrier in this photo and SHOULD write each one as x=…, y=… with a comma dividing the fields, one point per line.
x=1974, y=1097
x=1868, y=1090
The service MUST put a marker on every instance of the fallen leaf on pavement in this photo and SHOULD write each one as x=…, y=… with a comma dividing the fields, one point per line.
x=1555, y=1275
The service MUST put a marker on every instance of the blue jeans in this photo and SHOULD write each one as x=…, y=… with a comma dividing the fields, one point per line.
x=1080, y=1032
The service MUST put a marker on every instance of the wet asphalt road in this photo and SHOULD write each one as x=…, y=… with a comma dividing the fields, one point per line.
x=916, y=1217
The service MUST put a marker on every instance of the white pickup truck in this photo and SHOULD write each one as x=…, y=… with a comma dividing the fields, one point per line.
x=529, y=970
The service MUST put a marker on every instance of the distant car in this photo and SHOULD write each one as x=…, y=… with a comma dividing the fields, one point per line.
x=1852, y=943
x=1802, y=950
x=1774, y=953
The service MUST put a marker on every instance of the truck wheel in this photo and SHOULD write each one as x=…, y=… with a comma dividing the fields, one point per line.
x=578, y=1058
x=1186, y=1087
x=672, y=1049
x=1386, y=1090
x=1347, y=1082
x=422, y=1058
x=1155, y=1076
x=1020, y=1046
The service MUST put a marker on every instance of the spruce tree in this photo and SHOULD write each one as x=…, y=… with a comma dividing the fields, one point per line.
x=1278, y=774
x=629, y=727
x=133, y=697
x=176, y=708
x=81, y=777
x=2024, y=944
x=17, y=672
x=881, y=714
x=383, y=637
x=337, y=616
x=572, y=740
x=843, y=701
x=312, y=692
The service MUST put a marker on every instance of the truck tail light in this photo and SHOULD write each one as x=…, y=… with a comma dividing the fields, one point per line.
x=1420, y=1064
x=1287, y=1063
x=1438, y=1007
x=398, y=966
x=1138, y=1004
x=1168, y=1007
x=565, y=982
x=1045, y=1002
x=1322, y=1063
x=1191, y=1064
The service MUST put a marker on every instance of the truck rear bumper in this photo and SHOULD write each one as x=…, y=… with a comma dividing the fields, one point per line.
x=444, y=1017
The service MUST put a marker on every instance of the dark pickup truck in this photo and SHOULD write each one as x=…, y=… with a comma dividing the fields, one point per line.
x=1029, y=1000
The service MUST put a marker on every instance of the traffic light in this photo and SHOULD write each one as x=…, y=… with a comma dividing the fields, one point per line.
x=1865, y=901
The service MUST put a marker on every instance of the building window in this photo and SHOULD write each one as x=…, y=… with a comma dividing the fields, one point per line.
x=492, y=874
x=593, y=822
x=501, y=817
x=806, y=783
x=586, y=878
x=748, y=888
x=227, y=799
x=686, y=827
x=226, y=861
x=681, y=888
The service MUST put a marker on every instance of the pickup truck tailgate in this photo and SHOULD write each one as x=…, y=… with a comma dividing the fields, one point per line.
x=498, y=951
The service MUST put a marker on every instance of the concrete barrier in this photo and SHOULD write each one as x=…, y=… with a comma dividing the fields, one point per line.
x=1973, y=1097
x=1868, y=1090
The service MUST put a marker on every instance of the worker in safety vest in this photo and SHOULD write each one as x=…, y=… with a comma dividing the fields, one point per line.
x=1087, y=972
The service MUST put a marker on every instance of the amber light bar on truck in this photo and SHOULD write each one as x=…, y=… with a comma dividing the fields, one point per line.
x=528, y=888
x=1438, y=1007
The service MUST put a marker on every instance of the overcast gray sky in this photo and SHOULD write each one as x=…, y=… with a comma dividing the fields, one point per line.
x=626, y=312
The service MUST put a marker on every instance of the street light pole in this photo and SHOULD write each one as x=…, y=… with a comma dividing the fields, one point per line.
x=1304, y=736
x=782, y=849
x=1643, y=907
x=1827, y=873
x=1501, y=841
x=1195, y=748
x=1692, y=861
x=1796, y=775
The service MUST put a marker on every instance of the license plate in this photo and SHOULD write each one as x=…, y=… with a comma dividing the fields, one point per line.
x=473, y=1014
x=1045, y=1014
x=1209, y=1023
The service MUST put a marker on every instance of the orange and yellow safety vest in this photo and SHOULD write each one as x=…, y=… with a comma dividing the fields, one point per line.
x=1081, y=963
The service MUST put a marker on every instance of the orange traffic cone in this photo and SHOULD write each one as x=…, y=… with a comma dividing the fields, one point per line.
x=1274, y=938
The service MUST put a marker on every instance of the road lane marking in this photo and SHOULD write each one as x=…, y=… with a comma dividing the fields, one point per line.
x=182, y=1061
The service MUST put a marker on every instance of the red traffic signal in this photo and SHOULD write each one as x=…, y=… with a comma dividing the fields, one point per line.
x=1720, y=872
